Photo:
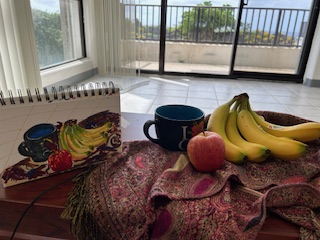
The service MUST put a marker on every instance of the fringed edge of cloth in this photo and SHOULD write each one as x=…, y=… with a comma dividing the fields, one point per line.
x=77, y=209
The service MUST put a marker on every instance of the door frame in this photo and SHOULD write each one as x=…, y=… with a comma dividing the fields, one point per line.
x=305, y=51
x=236, y=74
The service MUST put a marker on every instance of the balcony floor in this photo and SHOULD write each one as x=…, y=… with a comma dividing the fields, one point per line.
x=143, y=94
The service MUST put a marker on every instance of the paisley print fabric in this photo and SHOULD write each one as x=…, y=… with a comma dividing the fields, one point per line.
x=148, y=192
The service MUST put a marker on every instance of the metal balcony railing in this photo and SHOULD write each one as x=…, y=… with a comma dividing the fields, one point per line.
x=211, y=24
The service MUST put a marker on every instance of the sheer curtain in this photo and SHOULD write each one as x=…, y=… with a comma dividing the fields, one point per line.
x=115, y=31
x=19, y=69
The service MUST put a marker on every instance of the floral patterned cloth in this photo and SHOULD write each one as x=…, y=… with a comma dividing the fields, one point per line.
x=148, y=192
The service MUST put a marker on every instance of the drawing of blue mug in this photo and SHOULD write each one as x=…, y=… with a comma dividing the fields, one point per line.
x=39, y=142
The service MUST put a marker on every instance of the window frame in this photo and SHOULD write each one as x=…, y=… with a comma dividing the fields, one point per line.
x=76, y=70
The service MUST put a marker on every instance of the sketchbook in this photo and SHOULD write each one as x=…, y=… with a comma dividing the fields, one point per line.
x=56, y=131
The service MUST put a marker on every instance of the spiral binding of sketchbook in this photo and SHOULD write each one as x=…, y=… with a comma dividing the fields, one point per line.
x=56, y=131
x=93, y=89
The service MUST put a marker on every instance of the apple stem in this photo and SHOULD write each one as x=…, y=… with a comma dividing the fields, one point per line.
x=203, y=132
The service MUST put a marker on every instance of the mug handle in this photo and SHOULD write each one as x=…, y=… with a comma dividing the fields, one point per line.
x=23, y=150
x=146, y=127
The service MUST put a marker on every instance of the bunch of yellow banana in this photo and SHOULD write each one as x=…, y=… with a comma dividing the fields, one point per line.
x=280, y=147
x=303, y=132
x=217, y=123
x=81, y=142
x=248, y=136
x=255, y=152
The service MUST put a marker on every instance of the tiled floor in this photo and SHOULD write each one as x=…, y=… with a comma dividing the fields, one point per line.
x=153, y=91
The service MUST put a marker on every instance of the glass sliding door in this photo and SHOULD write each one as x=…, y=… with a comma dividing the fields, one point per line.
x=272, y=36
x=199, y=36
x=230, y=38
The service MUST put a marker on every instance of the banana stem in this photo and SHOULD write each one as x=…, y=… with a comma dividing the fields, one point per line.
x=244, y=103
x=249, y=107
x=241, y=99
x=233, y=100
x=237, y=104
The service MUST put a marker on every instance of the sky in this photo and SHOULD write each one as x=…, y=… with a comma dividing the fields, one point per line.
x=46, y=5
x=235, y=3
x=53, y=5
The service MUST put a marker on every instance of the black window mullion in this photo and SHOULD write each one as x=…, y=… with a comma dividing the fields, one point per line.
x=162, y=35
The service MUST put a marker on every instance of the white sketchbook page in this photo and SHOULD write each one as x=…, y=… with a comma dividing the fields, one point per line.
x=16, y=119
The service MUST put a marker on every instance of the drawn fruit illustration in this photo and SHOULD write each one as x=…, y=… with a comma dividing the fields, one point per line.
x=60, y=160
x=82, y=142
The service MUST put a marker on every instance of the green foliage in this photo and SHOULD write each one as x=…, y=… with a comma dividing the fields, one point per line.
x=206, y=22
x=264, y=38
x=47, y=27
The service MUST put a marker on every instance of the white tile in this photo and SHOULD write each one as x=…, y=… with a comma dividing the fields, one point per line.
x=303, y=110
x=223, y=83
x=258, y=106
x=137, y=103
x=314, y=101
x=173, y=93
x=176, y=85
x=153, y=108
x=304, y=91
x=203, y=103
x=262, y=98
x=146, y=90
x=224, y=97
x=202, y=95
x=235, y=90
x=169, y=100
x=201, y=87
x=274, y=86
x=292, y=100
x=285, y=92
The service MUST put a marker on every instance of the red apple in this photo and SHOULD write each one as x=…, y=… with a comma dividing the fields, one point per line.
x=206, y=151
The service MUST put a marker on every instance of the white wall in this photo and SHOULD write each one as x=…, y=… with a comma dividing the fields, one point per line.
x=220, y=54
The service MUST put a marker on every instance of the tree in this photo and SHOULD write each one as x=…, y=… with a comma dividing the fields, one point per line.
x=48, y=34
x=206, y=23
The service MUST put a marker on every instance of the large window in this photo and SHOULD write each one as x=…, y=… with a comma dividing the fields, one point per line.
x=58, y=31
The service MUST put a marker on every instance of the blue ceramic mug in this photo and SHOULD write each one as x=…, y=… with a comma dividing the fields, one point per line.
x=175, y=125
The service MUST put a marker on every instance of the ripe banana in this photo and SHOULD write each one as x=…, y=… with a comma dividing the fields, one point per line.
x=217, y=123
x=303, y=132
x=282, y=148
x=255, y=152
x=81, y=142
